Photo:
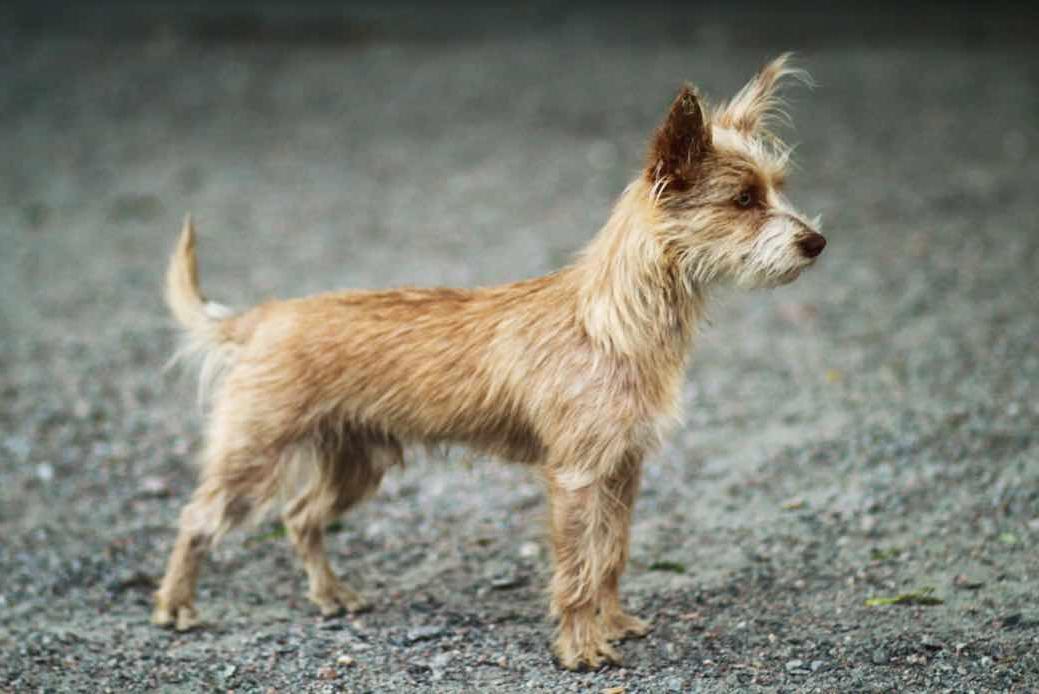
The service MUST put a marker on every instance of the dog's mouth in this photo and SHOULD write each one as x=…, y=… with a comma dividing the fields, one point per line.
x=794, y=273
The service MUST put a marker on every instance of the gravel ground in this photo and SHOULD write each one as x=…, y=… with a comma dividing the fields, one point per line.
x=868, y=432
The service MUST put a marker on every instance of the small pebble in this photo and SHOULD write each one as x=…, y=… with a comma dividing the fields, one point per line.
x=1011, y=620
x=930, y=643
x=424, y=633
x=964, y=582
x=45, y=472
x=503, y=581
x=155, y=487
x=792, y=665
x=441, y=660
x=530, y=550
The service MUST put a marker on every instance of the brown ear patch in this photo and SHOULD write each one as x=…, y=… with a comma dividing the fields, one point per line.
x=680, y=143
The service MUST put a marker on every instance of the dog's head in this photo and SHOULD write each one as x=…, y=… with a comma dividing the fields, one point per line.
x=717, y=181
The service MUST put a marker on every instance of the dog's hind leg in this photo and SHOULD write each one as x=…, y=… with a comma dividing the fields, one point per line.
x=342, y=477
x=235, y=483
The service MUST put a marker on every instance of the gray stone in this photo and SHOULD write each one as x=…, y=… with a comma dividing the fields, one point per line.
x=424, y=633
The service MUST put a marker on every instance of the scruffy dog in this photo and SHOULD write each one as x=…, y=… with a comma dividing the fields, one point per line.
x=577, y=373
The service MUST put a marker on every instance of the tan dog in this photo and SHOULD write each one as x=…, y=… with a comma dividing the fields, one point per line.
x=577, y=373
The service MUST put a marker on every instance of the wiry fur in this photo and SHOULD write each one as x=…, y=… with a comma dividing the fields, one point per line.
x=758, y=105
x=577, y=372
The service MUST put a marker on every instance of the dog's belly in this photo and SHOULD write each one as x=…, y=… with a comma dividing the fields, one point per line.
x=511, y=439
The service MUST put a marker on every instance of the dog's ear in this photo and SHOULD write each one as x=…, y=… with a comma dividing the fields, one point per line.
x=680, y=143
x=758, y=102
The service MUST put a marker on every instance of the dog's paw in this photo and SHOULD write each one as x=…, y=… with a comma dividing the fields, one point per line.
x=621, y=625
x=336, y=598
x=182, y=617
x=587, y=654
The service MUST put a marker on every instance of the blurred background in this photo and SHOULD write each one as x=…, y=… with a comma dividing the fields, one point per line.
x=869, y=430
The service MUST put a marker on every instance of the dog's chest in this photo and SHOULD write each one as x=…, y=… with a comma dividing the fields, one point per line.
x=648, y=400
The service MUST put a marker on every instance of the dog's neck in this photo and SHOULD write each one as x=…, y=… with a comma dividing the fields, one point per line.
x=631, y=297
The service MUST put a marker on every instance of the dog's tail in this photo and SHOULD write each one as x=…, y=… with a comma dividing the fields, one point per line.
x=209, y=334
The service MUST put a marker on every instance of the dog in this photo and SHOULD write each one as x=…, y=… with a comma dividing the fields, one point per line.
x=577, y=373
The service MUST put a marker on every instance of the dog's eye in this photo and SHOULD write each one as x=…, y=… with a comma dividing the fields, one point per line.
x=745, y=199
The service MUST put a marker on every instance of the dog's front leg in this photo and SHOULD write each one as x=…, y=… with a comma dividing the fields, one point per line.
x=591, y=514
x=618, y=623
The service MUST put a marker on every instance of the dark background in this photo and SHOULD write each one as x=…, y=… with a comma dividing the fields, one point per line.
x=869, y=431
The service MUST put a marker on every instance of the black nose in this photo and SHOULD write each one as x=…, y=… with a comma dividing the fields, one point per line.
x=813, y=244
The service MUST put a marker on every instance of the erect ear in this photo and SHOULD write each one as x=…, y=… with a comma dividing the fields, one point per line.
x=758, y=102
x=680, y=143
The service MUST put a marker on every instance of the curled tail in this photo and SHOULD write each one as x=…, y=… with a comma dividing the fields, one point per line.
x=208, y=331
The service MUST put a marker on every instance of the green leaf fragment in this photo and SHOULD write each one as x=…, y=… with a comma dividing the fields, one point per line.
x=278, y=531
x=672, y=566
x=878, y=554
